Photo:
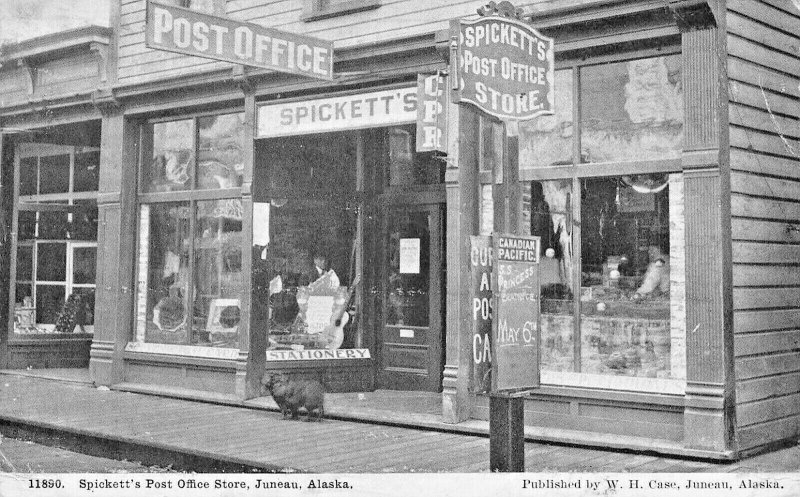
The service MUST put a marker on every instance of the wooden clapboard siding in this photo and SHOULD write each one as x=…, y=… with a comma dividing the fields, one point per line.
x=393, y=20
x=764, y=114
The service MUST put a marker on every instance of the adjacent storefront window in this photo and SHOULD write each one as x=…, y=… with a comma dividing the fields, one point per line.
x=305, y=233
x=190, y=232
x=612, y=234
x=57, y=239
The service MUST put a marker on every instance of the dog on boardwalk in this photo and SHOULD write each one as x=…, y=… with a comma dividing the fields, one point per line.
x=292, y=394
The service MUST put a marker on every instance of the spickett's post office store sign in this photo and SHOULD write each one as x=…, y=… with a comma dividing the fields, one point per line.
x=504, y=67
x=176, y=29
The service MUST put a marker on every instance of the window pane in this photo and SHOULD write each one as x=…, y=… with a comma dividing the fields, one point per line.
x=54, y=174
x=24, y=263
x=53, y=225
x=23, y=291
x=310, y=242
x=172, y=161
x=221, y=153
x=87, y=172
x=28, y=176
x=625, y=301
x=51, y=262
x=548, y=206
x=163, y=285
x=632, y=110
x=84, y=263
x=27, y=225
x=84, y=221
x=86, y=316
x=218, y=273
x=548, y=140
x=49, y=301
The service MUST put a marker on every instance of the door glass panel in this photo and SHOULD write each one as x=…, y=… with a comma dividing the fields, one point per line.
x=549, y=216
x=409, y=265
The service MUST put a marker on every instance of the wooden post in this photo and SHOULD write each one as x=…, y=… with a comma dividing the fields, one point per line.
x=506, y=413
x=506, y=434
x=6, y=196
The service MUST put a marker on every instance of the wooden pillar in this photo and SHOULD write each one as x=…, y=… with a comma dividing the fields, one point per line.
x=252, y=334
x=709, y=411
x=6, y=208
x=506, y=434
x=116, y=246
x=462, y=221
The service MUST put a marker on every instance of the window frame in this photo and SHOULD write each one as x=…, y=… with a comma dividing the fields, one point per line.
x=578, y=171
x=315, y=10
x=191, y=196
x=40, y=202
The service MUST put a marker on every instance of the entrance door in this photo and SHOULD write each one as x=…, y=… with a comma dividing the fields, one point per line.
x=411, y=345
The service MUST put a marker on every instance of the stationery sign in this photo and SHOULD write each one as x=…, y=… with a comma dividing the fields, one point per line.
x=481, y=262
x=176, y=29
x=515, y=327
x=505, y=67
x=432, y=99
x=363, y=110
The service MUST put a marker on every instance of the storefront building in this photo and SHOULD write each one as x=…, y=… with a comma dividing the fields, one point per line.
x=664, y=189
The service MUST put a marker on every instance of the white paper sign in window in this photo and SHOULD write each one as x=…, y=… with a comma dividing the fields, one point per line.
x=409, y=255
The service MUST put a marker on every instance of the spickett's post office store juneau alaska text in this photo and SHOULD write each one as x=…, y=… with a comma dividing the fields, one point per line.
x=181, y=225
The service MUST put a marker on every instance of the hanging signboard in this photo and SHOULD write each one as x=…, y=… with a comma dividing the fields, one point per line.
x=321, y=115
x=481, y=262
x=432, y=92
x=176, y=29
x=515, y=327
x=505, y=67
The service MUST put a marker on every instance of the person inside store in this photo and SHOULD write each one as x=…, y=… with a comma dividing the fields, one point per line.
x=656, y=278
x=322, y=274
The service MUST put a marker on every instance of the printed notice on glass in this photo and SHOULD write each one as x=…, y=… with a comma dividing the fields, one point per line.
x=409, y=255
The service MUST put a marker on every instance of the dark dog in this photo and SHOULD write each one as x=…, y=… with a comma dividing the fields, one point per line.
x=291, y=395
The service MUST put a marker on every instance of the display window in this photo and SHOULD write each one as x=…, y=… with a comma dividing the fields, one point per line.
x=602, y=188
x=190, y=232
x=56, y=240
x=306, y=237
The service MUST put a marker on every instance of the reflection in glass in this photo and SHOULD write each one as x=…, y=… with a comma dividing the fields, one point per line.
x=632, y=110
x=51, y=262
x=87, y=172
x=218, y=273
x=406, y=165
x=548, y=213
x=27, y=225
x=84, y=221
x=53, y=225
x=54, y=174
x=220, y=161
x=171, y=166
x=49, y=301
x=166, y=267
x=84, y=263
x=28, y=176
x=24, y=263
x=547, y=140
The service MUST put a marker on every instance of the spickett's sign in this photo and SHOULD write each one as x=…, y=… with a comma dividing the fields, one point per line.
x=176, y=29
x=505, y=67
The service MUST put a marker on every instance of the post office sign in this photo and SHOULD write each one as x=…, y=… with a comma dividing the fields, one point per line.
x=176, y=29
x=505, y=67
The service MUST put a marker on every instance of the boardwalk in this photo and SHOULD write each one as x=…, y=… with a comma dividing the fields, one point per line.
x=261, y=439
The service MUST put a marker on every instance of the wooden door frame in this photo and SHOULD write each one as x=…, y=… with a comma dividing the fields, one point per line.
x=433, y=202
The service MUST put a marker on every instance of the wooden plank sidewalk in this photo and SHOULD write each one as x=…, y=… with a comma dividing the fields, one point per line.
x=262, y=439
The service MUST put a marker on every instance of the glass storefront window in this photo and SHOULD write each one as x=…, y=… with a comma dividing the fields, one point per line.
x=172, y=162
x=305, y=234
x=57, y=245
x=632, y=110
x=190, y=253
x=547, y=140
